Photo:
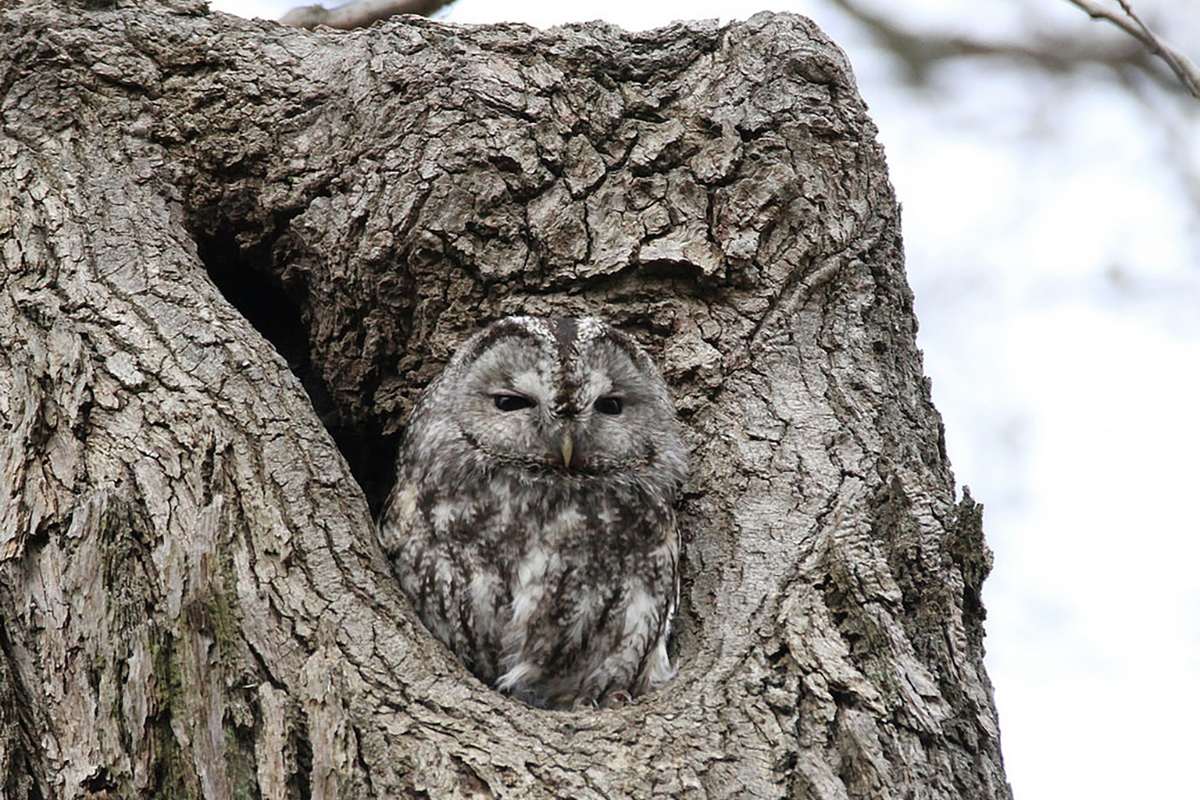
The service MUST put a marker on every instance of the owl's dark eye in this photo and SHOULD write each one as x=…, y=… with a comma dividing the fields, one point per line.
x=512, y=402
x=609, y=405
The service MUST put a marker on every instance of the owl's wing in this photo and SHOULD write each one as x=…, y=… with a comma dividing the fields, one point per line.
x=397, y=518
x=443, y=578
x=662, y=571
x=410, y=545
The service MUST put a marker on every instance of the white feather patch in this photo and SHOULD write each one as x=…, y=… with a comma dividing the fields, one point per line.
x=519, y=677
x=639, y=614
x=658, y=668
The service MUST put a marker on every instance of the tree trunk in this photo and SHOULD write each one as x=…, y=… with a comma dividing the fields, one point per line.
x=232, y=254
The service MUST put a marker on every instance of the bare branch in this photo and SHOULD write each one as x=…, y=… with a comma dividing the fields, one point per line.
x=359, y=13
x=1132, y=24
x=922, y=51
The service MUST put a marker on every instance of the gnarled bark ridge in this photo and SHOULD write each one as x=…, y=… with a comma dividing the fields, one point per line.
x=232, y=254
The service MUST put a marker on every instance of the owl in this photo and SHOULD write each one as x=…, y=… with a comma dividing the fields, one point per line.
x=532, y=524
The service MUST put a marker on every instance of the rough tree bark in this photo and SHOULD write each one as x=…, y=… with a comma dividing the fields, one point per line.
x=232, y=254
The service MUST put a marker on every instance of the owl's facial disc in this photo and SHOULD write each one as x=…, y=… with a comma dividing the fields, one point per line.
x=563, y=396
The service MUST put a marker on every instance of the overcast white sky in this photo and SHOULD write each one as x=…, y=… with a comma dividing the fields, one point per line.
x=1054, y=257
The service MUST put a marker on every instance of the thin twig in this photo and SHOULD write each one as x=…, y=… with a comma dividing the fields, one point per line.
x=1132, y=24
x=358, y=14
x=920, y=51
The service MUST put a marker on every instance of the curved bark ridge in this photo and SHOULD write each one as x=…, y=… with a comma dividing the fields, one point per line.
x=193, y=599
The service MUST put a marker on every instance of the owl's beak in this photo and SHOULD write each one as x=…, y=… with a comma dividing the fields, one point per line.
x=568, y=447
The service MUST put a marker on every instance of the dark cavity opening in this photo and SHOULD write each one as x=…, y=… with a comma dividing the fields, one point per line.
x=245, y=279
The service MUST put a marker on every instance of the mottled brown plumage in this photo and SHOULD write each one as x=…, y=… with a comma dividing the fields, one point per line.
x=532, y=523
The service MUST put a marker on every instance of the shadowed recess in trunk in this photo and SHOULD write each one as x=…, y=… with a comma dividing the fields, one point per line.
x=276, y=313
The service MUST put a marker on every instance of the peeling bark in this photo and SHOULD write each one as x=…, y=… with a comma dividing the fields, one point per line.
x=232, y=254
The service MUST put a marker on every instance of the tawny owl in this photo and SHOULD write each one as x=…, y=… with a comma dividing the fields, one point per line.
x=532, y=524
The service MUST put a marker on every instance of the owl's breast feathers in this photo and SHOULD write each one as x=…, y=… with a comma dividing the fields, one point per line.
x=559, y=592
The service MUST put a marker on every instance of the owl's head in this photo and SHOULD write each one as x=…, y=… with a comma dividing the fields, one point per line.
x=567, y=396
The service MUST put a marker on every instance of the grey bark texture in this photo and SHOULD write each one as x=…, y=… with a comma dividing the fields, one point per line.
x=232, y=254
